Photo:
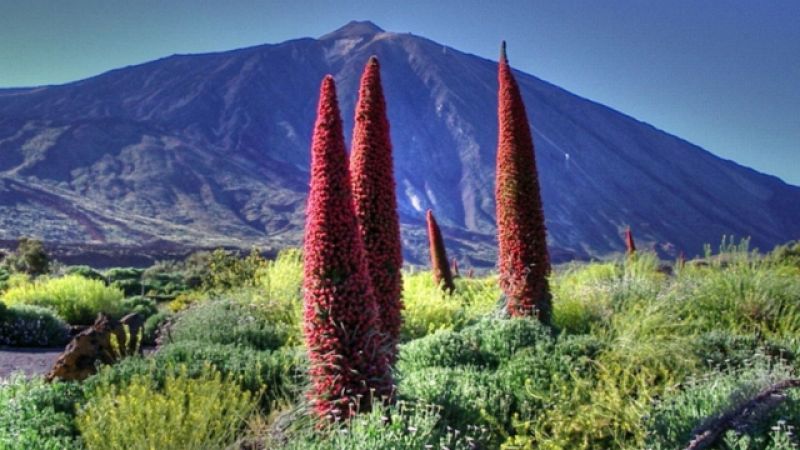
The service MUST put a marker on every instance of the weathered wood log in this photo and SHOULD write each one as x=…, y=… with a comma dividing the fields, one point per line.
x=93, y=345
x=770, y=396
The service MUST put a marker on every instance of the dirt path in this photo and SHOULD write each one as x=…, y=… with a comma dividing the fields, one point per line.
x=31, y=361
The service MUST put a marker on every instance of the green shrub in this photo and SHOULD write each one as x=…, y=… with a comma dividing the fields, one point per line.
x=279, y=374
x=73, y=297
x=403, y=426
x=227, y=270
x=485, y=343
x=676, y=418
x=427, y=309
x=85, y=272
x=724, y=350
x=31, y=326
x=198, y=413
x=153, y=325
x=30, y=258
x=127, y=279
x=4, y=276
x=468, y=397
x=140, y=305
x=38, y=415
x=229, y=322
x=282, y=278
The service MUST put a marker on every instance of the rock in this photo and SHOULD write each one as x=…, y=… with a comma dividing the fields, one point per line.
x=93, y=346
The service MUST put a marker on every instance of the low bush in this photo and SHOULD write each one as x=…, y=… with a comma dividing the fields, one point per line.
x=85, y=272
x=140, y=305
x=38, y=415
x=468, y=396
x=76, y=299
x=206, y=412
x=403, y=426
x=485, y=343
x=153, y=326
x=126, y=279
x=676, y=419
x=31, y=326
x=230, y=322
x=280, y=374
x=428, y=309
x=282, y=278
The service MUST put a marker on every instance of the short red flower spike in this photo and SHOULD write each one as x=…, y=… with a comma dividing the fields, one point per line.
x=441, y=271
x=523, y=259
x=376, y=203
x=341, y=324
x=630, y=245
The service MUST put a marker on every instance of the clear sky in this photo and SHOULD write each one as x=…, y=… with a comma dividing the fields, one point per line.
x=724, y=74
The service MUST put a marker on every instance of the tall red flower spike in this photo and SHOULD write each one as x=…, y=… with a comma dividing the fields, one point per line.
x=454, y=268
x=524, y=263
x=341, y=322
x=375, y=201
x=441, y=271
x=630, y=246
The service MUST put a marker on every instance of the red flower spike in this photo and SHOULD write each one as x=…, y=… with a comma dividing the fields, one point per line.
x=523, y=259
x=441, y=271
x=630, y=245
x=454, y=268
x=376, y=203
x=341, y=323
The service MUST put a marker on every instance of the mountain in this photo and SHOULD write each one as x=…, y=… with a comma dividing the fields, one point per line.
x=213, y=149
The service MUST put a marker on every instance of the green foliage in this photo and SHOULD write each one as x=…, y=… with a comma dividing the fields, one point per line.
x=428, y=309
x=278, y=376
x=126, y=279
x=206, y=412
x=282, y=278
x=140, y=305
x=403, y=426
x=153, y=325
x=4, y=276
x=30, y=257
x=675, y=419
x=747, y=296
x=76, y=299
x=85, y=272
x=38, y=415
x=230, y=322
x=485, y=343
x=31, y=326
x=226, y=270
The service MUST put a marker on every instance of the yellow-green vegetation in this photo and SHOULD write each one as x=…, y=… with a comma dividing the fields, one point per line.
x=640, y=355
x=205, y=412
x=74, y=298
x=427, y=308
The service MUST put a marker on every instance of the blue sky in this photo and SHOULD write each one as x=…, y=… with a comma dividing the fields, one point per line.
x=723, y=74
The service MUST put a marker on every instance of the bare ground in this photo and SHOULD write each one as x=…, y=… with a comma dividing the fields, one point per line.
x=30, y=361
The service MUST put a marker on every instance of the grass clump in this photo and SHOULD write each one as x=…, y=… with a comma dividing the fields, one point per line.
x=76, y=299
x=206, y=412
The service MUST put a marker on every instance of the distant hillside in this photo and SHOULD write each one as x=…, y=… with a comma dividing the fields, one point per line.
x=213, y=149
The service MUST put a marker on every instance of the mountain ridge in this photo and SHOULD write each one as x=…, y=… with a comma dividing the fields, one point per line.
x=212, y=149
